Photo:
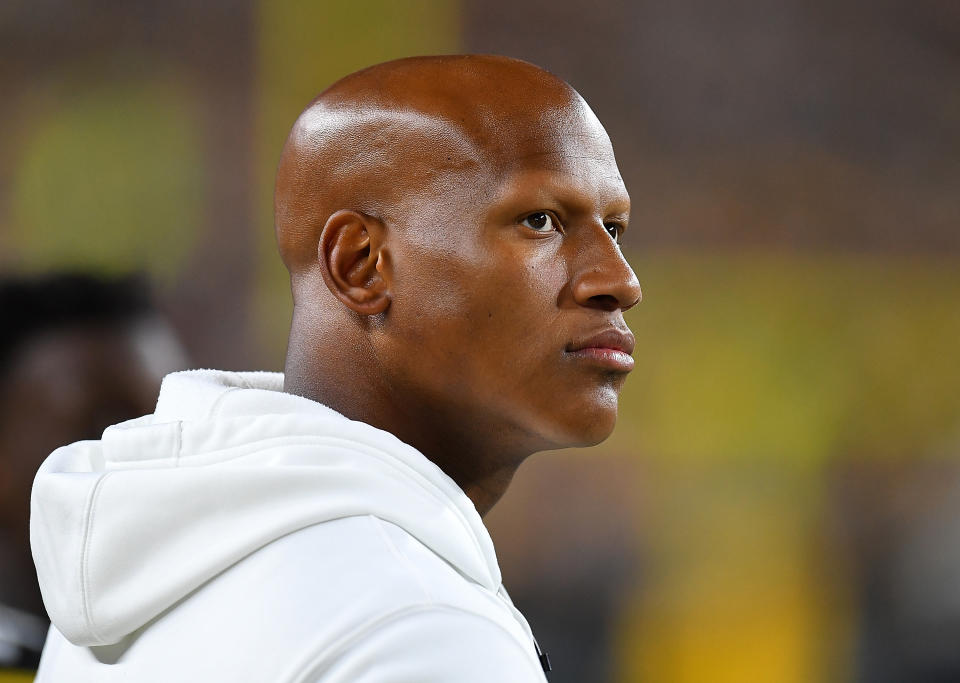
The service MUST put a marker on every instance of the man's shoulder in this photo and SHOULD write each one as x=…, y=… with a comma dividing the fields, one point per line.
x=315, y=590
x=344, y=570
x=350, y=566
x=330, y=597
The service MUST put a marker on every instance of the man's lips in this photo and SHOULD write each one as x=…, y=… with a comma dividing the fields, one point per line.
x=610, y=348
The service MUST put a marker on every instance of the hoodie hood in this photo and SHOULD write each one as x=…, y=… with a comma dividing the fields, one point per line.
x=124, y=527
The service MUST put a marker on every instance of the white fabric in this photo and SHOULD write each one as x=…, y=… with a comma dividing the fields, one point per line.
x=243, y=534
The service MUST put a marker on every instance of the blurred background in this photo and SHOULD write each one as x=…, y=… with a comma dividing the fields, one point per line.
x=780, y=501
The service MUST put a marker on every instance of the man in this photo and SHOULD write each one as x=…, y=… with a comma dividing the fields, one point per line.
x=77, y=354
x=451, y=228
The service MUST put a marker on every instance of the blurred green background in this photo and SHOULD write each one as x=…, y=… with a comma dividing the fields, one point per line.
x=795, y=173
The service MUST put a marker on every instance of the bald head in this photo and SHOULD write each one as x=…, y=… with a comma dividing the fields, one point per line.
x=384, y=140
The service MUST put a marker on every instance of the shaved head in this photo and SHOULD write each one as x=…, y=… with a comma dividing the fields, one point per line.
x=451, y=226
x=380, y=139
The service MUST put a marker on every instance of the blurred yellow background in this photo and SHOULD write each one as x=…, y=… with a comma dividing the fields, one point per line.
x=793, y=425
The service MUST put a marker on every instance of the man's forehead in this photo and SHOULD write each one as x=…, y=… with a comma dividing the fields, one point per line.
x=582, y=184
x=555, y=145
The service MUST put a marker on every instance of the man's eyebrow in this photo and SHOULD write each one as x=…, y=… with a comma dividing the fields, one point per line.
x=615, y=207
x=586, y=191
x=623, y=219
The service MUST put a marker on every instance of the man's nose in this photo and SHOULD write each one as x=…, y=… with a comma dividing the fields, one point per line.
x=606, y=281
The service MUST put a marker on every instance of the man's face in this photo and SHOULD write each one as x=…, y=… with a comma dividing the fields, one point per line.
x=509, y=290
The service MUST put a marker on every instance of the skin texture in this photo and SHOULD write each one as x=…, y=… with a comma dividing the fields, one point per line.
x=449, y=226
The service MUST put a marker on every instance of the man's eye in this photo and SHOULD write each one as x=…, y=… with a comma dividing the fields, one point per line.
x=614, y=230
x=540, y=221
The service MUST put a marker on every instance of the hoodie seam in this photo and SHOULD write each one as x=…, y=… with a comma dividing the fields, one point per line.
x=179, y=446
x=402, y=558
x=311, y=663
x=91, y=512
x=214, y=409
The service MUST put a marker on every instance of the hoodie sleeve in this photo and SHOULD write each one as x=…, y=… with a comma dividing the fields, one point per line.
x=432, y=645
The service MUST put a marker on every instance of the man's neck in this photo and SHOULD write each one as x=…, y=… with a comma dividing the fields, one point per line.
x=486, y=489
x=482, y=468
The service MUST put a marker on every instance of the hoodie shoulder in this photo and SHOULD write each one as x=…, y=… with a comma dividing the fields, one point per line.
x=298, y=601
x=150, y=523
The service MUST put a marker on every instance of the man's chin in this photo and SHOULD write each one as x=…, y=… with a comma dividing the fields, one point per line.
x=586, y=428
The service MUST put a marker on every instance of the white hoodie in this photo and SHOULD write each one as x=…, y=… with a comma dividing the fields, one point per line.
x=243, y=534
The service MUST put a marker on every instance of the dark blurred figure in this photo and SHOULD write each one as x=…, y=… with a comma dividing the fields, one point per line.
x=901, y=525
x=77, y=354
x=572, y=568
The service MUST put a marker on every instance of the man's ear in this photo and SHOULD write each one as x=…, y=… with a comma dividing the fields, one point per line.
x=352, y=260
